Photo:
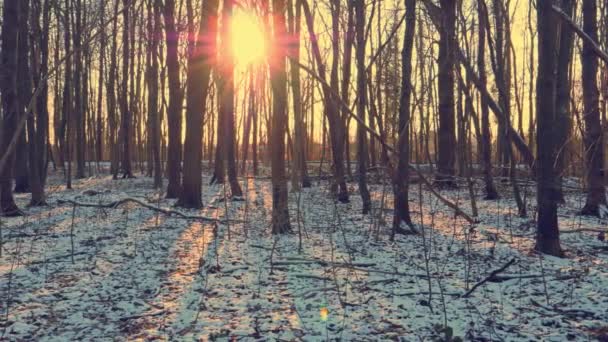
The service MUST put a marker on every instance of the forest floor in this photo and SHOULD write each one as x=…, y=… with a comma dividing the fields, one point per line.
x=75, y=273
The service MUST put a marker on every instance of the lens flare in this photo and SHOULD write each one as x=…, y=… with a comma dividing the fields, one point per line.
x=248, y=39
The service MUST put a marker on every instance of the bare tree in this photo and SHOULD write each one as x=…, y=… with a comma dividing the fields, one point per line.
x=10, y=111
x=362, y=152
x=486, y=145
x=593, y=137
x=548, y=187
x=226, y=100
x=126, y=114
x=174, y=113
x=278, y=77
x=201, y=57
x=401, y=173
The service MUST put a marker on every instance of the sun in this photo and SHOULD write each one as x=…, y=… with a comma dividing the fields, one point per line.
x=248, y=39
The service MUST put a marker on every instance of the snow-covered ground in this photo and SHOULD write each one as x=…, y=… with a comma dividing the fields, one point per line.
x=76, y=273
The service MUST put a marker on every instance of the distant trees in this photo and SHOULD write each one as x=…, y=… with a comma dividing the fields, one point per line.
x=118, y=77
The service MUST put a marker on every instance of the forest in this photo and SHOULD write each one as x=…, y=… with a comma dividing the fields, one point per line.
x=303, y=170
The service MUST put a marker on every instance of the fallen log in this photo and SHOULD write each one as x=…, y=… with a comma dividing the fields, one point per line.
x=168, y=212
x=488, y=278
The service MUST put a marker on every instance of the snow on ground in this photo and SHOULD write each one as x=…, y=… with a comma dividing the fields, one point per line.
x=75, y=273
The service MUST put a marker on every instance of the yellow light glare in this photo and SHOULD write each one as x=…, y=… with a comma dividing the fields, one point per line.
x=324, y=313
x=247, y=37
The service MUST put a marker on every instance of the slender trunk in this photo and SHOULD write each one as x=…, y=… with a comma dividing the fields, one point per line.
x=362, y=153
x=401, y=173
x=563, y=124
x=593, y=137
x=491, y=193
x=126, y=112
x=227, y=100
x=278, y=77
x=446, y=60
x=174, y=113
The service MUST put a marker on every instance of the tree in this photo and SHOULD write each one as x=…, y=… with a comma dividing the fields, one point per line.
x=10, y=111
x=278, y=78
x=37, y=125
x=593, y=137
x=174, y=113
x=154, y=113
x=362, y=152
x=401, y=173
x=24, y=94
x=300, y=172
x=200, y=59
x=446, y=59
x=79, y=101
x=331, y=103
x=548, y=187
x=126, y=114
x=111, y=94
x=226, y=101
x=486, y=146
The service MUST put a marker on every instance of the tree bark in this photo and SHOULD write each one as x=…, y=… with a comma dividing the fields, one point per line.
x=401, y=174
x=490, y=188
x=174, y=113
x=278, y=78
x=10, y=111
x=201, y=57
x=446, y=60
x=593, y=137
x=226, y=102
x=362, y=152
x=547, y=235
x=126, y=112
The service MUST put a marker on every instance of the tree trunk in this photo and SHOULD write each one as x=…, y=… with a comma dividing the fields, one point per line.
x=300, y=176
x=111, y=94
x=201, y=56
x=593, y=137
x=362, y=152
x=446, y=60
x=174, y=113
x=226, y=103
x=278, y=77
x=154, y=113
x=491, y=193
x=401, y=173
x=10, y=101
x=563, y=124
x=126, y=112
x=547, y=236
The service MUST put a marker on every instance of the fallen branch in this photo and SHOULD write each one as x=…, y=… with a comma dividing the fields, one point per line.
x=573, y=313
x=586, y=38
x=312, y=276
x=584, y=230
x=168, y=212
x=489, y=278
x=127, y=318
